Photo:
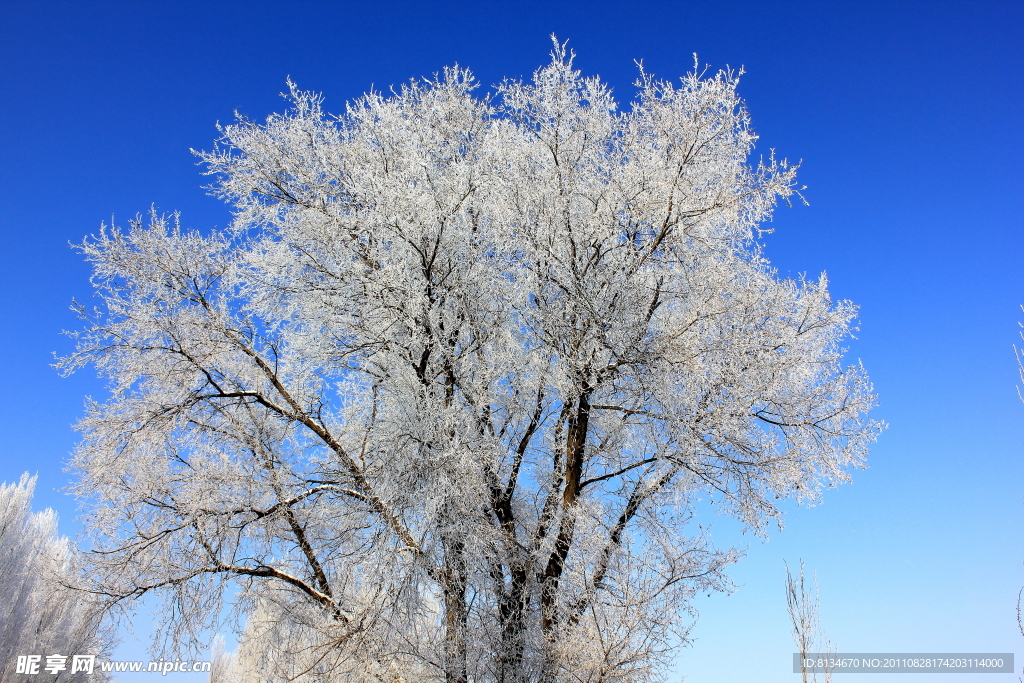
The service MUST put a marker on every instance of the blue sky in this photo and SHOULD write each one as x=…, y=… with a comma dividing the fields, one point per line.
x=907, y=116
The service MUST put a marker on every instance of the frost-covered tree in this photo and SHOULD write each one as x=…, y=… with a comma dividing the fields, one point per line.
x=438, y=404
x=1020, y=360
x=41, y=615
x=808, y=633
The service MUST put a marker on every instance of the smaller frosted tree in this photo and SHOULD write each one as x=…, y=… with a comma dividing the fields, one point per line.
x=1020, y=364
x=804, y=612
x=41, y=614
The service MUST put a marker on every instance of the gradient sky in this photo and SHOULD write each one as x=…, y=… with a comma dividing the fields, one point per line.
x=907, y=116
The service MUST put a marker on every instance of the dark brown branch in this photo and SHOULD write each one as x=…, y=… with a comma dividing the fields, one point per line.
x=617, y=472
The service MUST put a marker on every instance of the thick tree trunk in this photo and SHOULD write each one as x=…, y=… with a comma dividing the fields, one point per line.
x=455, y=611
x=575, y=453
x=512, y=610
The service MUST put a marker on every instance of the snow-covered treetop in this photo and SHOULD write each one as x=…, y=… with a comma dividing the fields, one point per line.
x=463, y=361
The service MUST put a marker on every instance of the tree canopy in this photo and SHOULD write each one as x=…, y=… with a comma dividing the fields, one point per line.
x=439, y=402
x=43, y=616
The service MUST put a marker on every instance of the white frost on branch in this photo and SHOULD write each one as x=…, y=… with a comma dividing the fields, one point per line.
x=41, y=614
x=440, y=400
x=808, y=634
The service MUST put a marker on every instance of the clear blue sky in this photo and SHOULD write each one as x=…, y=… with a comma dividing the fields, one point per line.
x=908, y=116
